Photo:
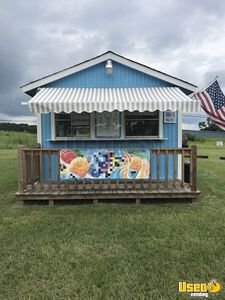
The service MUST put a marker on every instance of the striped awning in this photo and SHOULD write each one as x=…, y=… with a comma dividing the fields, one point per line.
x=109, y=99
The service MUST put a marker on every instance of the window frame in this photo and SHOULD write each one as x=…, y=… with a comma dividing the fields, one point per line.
x=142, y=136
x=53, y=126
x=92, y=136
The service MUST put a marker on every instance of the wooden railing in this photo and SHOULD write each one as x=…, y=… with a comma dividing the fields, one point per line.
x=41, y=167
x=178, y=158
x=31, y=166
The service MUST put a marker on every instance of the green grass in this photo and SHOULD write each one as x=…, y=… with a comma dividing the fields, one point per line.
x=11, y=140
x=112, y=251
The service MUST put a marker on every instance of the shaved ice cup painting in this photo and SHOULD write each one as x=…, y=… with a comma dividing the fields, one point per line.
x=104, y=164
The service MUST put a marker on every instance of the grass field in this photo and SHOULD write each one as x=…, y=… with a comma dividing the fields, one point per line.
x=112, y=251
x=11, y=140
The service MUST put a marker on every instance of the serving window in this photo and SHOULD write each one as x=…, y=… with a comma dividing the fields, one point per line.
x=142, y=124
x=72, y=125
x=107, y=125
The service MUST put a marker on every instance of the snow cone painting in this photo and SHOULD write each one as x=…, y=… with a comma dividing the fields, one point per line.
x=103, y=164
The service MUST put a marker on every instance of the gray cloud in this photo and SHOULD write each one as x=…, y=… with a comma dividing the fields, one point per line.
x=184, y=38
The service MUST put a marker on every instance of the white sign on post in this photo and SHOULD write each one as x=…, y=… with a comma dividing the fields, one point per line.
x=219, y=144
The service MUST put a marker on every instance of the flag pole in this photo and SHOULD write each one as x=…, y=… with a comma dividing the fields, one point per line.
x=204, y=87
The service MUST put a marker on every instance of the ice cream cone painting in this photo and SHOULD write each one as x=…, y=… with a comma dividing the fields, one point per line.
x=103, y=164
x=135, y=165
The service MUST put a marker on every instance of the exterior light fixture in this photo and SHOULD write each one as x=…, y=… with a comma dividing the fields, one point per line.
x=108, y=67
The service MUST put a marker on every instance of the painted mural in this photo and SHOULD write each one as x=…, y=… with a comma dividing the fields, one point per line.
x=104, y=164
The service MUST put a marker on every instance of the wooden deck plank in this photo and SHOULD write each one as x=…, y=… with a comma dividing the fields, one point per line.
x=68, y=188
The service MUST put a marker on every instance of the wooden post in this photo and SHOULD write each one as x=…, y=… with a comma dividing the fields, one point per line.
x=51, y=202
x=49, y=168
x=174, y=168
x=138, y=201
x=166, y=168
x=58, y=168
x=191, y=167
x=36, y=175
x=142, y=184
x=32, y=167
x=150, y=170
x=182, y=168
x=158, y=168
x=20, y=202
x=194, y=168
x=41, y=167
x=20, y=169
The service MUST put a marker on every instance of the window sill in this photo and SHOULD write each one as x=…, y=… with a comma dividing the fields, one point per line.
x=108, y=139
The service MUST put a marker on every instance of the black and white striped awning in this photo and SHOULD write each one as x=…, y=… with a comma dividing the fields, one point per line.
x=110, y=99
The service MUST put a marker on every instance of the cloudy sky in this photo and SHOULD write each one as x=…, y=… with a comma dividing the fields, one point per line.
x=185, y=38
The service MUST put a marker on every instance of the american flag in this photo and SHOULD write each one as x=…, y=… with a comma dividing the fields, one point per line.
x=213, y=102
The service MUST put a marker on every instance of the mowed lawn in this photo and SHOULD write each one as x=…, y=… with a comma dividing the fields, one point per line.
x=112, y=251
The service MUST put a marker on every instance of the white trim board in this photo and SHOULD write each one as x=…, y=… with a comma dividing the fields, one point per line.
x=160, y=124
x=179, y=140
x=101, y=58
x=52, y=125
x=39, y=135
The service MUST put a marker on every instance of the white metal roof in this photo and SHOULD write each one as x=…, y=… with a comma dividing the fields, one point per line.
x=109, y=99
x=27, y=88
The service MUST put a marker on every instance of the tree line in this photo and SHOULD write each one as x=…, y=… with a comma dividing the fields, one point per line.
x=209, y=125
x=23, y=127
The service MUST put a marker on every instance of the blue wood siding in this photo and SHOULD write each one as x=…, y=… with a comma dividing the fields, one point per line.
x=122, y=76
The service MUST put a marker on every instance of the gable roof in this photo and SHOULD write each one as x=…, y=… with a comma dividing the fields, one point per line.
x=29, y=87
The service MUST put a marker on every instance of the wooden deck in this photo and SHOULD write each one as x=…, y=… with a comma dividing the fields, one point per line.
x=33, y=187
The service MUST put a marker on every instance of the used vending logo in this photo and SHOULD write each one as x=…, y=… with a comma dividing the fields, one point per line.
x=198, y=289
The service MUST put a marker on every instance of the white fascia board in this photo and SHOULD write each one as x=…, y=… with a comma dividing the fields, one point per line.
x=64, y=73
x=152, y=72
x=102, y=58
